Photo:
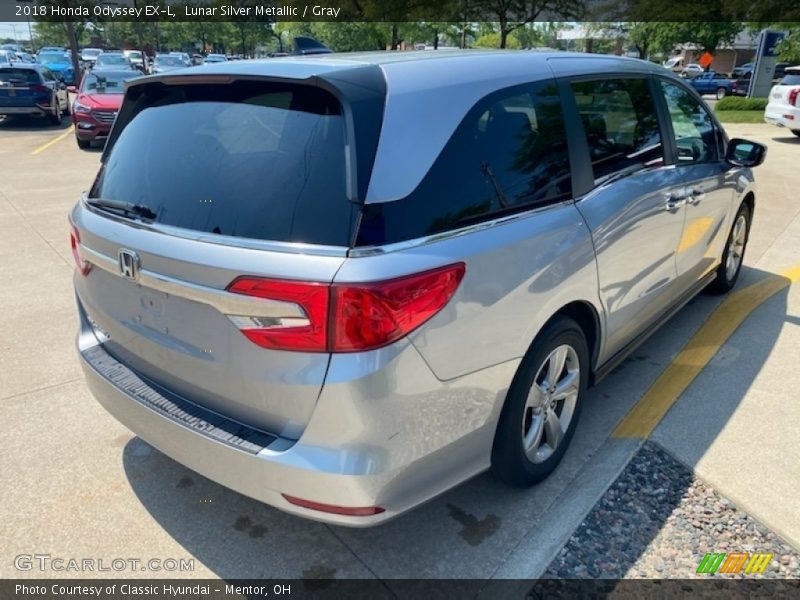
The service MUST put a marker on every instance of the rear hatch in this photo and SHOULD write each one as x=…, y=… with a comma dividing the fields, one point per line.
x=21, y=87
x=204, y=183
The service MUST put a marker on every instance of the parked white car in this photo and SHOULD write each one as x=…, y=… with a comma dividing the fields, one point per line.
x=692, y=70
x=783, y=108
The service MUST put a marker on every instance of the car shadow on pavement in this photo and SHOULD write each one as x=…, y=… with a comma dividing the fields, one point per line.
x=32, y=124
x=789, y=139
x=466, y=533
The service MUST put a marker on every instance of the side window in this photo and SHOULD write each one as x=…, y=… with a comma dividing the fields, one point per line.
x=621, y=126
x=509, y=153
x=695, y=135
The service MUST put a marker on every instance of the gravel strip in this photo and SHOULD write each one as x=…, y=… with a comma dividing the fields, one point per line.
x=658, y=521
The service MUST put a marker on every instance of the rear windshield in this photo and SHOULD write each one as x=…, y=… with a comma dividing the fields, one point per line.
x=19, y=75
x=247, y=159
x=791, y=79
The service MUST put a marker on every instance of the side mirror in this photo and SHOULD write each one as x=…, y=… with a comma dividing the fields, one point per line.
x=744, y=153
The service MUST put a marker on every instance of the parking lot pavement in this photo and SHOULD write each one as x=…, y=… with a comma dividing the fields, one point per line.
x=75, y=483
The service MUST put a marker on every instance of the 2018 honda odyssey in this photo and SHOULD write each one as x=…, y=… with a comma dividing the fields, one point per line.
x=344, y=284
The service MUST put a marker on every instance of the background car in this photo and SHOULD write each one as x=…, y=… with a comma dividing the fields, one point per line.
x=12, y=48
x=32, y=90
x=137, y=59
x=692, y=70
x=89, y=56
x=214, y=58
x=167, y=62
x=6, y=57
x=715, y=83
x=112, y=60
x=97, y=103
x=60, y=63
x=783, y=108
x=46, y=49
x=185, y=58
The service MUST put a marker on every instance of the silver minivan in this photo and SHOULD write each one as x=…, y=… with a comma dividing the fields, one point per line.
x=344, y=284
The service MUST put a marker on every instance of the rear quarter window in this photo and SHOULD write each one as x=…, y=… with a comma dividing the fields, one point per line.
x=248, y=159
x=791, y=79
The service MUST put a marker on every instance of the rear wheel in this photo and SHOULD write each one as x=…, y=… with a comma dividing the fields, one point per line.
x=66, y=112
x=733, y=254
x=721, y=93
x=543, y=405
x=82, y=144
x=796, y=132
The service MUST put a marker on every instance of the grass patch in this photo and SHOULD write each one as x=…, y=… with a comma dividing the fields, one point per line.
x=740, y=116
x=735, y=103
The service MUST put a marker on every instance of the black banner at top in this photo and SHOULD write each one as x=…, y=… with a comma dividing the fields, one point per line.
x=461, y=11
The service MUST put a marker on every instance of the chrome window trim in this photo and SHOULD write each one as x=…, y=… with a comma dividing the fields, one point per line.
x=364, y=251
x=226, y=302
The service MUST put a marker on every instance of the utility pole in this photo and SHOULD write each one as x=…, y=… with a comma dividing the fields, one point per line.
x=73, y=47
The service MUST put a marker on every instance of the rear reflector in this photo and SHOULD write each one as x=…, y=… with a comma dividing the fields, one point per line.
x=359, y=511
x=81, y=265
x=345, y=317
x=793, y=94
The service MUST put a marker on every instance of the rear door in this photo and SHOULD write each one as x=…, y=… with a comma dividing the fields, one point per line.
x=699, y=147
x=232, y=180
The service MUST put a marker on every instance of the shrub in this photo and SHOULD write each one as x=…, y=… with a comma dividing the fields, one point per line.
x=734, y=103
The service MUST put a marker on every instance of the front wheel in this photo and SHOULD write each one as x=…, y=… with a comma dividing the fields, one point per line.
x=721, y=93
x=733, y=253
x=796, y=132
x=82, y=144
x=543, y=405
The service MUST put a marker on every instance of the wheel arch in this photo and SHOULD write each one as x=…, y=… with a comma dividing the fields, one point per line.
x=587, y=317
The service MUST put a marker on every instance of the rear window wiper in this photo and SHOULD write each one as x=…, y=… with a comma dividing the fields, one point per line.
x=138, y=210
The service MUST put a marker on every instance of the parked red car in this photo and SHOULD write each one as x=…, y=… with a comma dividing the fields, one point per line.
x=99, y=98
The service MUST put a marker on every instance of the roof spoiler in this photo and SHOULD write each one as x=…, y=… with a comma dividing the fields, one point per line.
x=306, y=45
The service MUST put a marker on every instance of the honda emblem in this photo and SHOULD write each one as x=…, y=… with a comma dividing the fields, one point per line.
x=128, y=264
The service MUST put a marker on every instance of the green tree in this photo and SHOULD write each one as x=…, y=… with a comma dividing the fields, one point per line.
x=514, y=14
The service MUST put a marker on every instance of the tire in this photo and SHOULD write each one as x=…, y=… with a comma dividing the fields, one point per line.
x=83, y=144
x=733, y=253
x=796, y=132
x=721, y=93
x=527, y=447
x=55, y=113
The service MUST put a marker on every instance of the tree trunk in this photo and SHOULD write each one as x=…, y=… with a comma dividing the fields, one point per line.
x=394, y=36
x=589, y=45
x=435, y=39
x=73, y=47
x=503, y=36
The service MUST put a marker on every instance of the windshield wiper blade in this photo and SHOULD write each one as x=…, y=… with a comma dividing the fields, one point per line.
x=139, y=210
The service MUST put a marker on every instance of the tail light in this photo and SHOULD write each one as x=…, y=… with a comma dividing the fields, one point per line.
x=75, y=242
x=316, y=317
x=793, y=93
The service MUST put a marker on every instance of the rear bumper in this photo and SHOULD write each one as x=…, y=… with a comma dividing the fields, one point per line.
x=374, y=439
x=783, y=116
x=23, y=110
x=87, y=128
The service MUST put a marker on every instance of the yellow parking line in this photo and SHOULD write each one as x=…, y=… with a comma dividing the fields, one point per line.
x=51, y=142
x=696, y=354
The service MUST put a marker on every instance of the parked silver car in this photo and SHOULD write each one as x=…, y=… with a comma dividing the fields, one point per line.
x=343, y=285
